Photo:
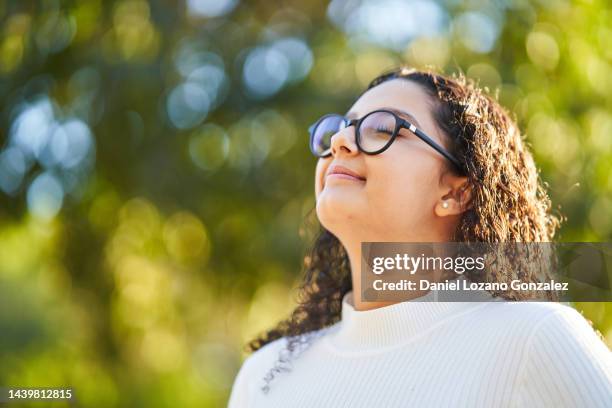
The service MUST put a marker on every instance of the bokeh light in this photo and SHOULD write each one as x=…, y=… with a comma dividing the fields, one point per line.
x=208, y=147
x=188, y=105
x=476, y=31
x=389, y=23
x=12, y=169
x=45, y=196
x=211, y=8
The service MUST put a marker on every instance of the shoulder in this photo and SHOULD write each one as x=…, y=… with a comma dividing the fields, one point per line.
x=261, y=359
x=563, y=330
x=266, y=356
x=253, y=369
x=531, y=324
x=266, y=352
x=271, y=358
x=566, y=362
x=561, y=360
x=545, y=329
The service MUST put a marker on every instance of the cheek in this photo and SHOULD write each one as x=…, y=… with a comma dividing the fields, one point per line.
x=319, y=171
x=402, y=185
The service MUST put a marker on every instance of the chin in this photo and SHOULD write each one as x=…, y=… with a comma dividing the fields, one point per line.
x=333, y=211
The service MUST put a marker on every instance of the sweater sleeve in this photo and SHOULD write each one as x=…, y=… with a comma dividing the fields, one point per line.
x=567, y=365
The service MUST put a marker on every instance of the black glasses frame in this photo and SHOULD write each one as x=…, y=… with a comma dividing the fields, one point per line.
x=400, y=123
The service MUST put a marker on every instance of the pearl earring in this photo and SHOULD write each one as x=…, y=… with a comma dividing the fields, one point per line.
x=444, y=204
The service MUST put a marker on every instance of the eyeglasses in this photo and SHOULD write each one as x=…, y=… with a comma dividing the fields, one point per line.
x=374, y=133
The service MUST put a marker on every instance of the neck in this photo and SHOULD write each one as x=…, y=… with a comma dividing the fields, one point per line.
x=354, y=255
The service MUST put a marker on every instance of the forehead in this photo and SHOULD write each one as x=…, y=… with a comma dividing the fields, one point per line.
x=400, y=94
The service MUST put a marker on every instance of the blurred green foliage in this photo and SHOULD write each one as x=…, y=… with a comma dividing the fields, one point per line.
x=156, y=181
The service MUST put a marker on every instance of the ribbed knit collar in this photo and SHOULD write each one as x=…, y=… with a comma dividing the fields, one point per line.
x=392, y=325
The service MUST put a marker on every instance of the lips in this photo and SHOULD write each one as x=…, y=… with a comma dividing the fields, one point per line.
x=344, y=172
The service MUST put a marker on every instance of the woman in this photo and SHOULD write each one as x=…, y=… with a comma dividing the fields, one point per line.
x=453, y=167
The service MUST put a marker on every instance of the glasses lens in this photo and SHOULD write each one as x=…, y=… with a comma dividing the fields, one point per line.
x=376, y=130
x=324, y=129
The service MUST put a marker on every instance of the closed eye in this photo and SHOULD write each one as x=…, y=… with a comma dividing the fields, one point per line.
x=384, y=130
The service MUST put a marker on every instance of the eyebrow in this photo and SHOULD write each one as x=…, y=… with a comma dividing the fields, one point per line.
x=405, y=114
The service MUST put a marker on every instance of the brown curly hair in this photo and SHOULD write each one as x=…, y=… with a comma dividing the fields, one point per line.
x=509, y=203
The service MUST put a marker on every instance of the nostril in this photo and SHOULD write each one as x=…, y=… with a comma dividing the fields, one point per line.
x=342, y=141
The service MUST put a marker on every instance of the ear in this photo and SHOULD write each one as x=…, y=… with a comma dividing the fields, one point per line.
x=456, y=197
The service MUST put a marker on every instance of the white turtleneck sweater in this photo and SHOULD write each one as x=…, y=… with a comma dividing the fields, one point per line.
x=439, y=354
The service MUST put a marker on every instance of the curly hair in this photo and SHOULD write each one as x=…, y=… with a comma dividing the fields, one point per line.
x=509, y=201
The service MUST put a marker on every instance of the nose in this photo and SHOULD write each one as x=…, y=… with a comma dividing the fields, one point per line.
x=344, y=140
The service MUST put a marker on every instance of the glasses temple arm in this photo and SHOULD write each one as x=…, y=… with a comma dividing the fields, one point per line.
x=436, y=146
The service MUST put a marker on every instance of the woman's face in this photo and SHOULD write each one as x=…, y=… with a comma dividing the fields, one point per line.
x=400, y=196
